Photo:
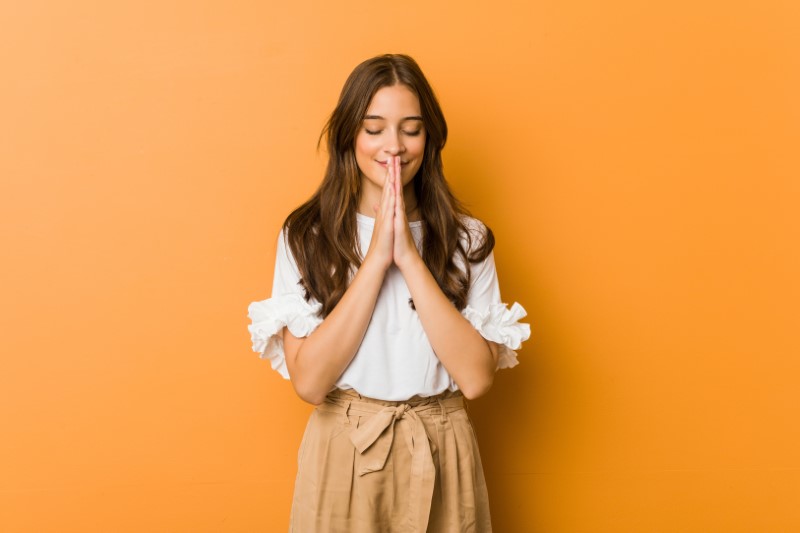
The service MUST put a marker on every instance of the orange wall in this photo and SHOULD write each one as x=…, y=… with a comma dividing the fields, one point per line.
x=637, y=162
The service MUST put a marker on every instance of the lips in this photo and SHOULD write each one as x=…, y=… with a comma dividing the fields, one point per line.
x=383, y=163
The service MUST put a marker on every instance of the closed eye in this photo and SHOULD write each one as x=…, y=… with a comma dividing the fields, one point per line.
x=378, y=132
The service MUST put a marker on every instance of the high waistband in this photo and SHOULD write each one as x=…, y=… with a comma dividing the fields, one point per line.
x=352, y=402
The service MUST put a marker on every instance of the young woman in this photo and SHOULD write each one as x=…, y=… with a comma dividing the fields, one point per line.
x=385, y=313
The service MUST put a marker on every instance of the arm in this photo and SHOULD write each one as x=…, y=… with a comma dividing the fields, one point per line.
x=316, y=362
x=467, y=356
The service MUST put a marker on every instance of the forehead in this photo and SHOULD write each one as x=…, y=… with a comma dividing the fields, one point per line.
x=393, y=102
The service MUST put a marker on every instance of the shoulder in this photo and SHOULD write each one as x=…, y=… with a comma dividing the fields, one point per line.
x=475, y=233
x=283, y=247
x=475, y=226
x=282, y=238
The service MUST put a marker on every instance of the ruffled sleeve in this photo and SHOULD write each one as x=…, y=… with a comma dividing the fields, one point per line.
x=501, y=325
x=286, y=308
x=489, y=315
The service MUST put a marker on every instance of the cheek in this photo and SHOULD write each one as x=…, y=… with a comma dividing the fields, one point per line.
x=359, y=148
x=418, y=151
x=364, y=152
x=366, y=146
x=417, y=146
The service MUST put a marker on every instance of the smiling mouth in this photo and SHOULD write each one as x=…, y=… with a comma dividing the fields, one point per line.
x=383, y=163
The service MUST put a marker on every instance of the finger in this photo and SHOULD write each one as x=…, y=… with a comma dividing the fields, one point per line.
x=389, y=200
x=388, y=172
x=398, y=189
x=390, y=177
x=398, y=170
x=387, y=191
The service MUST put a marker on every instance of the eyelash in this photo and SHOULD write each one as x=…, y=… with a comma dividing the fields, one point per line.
x=409, y=133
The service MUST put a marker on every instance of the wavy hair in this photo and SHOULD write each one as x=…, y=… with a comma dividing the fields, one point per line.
x=322, y=232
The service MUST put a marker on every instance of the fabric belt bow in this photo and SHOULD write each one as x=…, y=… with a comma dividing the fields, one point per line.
x=374, y=439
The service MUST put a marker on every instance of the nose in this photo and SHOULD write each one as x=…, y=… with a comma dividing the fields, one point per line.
x=394, y=145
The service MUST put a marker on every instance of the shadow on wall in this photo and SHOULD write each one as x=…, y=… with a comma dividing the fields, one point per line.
x=516, y=429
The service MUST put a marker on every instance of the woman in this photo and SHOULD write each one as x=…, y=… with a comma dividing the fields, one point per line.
x=386, y=313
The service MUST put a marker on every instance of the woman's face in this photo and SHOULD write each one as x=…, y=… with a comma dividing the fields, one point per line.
x=392, y=126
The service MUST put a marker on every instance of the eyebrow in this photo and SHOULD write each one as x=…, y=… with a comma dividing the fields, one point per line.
x=378, y=117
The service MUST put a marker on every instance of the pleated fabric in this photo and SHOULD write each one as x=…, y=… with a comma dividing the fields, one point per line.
x=369, y=465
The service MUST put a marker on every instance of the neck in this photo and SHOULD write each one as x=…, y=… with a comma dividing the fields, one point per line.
x=412, y=213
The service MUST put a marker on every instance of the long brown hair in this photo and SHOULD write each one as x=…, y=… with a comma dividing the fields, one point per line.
x=322, y=233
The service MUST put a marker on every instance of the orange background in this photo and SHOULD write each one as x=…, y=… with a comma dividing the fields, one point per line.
x=637, y=162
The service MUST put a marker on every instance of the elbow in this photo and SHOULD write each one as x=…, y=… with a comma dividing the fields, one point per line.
x=478, y=387
x=308, y=390
x=307, y=385
x=482, y=380
x=312, y=395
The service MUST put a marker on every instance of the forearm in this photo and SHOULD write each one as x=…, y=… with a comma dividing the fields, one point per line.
x=465, y=354
x=316, y=362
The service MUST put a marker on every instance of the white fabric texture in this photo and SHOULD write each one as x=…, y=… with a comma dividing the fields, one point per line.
x=395, y=360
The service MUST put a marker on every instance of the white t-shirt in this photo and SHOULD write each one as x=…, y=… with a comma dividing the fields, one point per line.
x=395, y=361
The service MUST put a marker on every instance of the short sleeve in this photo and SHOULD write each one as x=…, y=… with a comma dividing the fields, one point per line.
x=287, y=307
x=493, y=319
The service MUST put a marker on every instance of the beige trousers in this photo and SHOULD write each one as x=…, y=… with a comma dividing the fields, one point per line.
x=368, y=465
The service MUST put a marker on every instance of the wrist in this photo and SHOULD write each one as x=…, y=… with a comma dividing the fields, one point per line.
x=373, y=267
x=410, y=264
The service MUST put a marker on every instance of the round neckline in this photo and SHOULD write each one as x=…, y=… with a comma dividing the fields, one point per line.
x=371, y=221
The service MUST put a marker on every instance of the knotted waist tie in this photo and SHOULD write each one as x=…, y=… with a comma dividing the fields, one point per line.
x=374, y=438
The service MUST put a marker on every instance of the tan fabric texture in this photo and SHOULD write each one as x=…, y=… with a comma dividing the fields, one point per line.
x=368, y=465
